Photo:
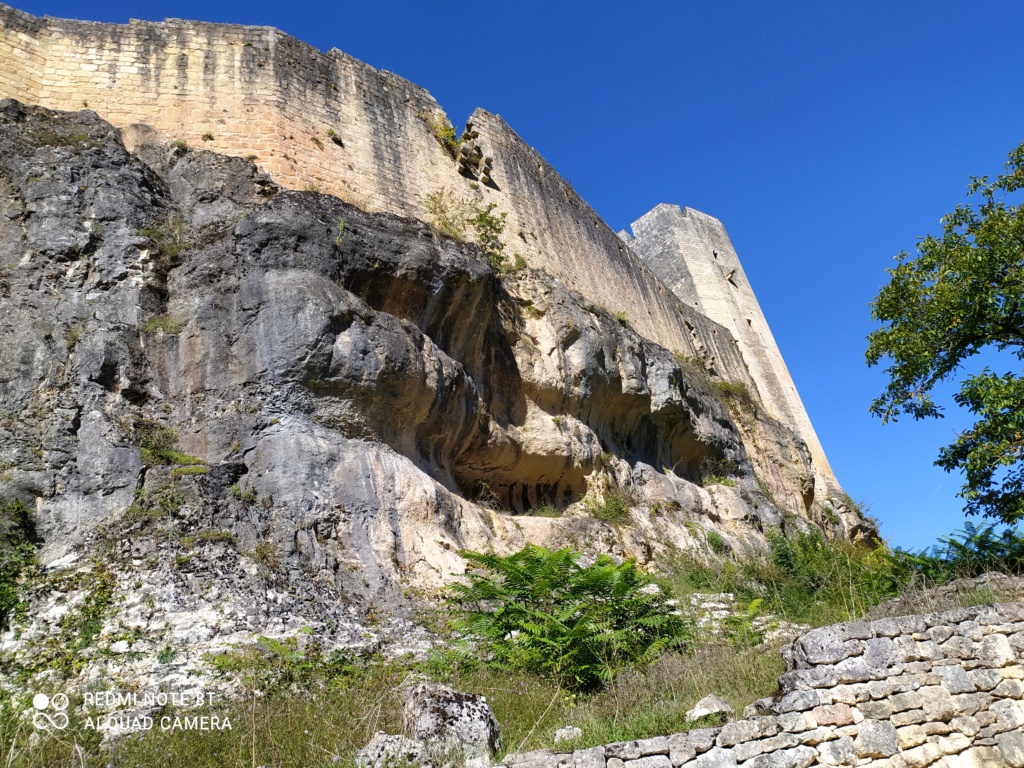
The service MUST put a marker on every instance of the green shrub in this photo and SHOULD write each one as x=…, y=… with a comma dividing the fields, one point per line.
x=546, y=510
x=17, y=558
x=443, y=131
x=489, y=228
x=153, y=505
x=804, y=577
x=169, y=324
x=977, y=549
x=452, y=215
x=733, y=392
x=612, y=508
x=171, y=237
x=541, y=610
x=268, y=555
x=449, y=214
x=157, y=446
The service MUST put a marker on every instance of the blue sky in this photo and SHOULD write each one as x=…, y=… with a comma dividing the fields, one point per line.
x=826, y=136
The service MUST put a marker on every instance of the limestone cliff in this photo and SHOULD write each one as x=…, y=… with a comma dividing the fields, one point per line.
x=265, y=410
x=271, y=400
x=330, y=122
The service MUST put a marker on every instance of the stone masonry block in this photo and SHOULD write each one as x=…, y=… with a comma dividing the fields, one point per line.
x=797, y=757
x=955, y=679
x=624, y=750
x=996, y=651
x=838, y=752
x=1009, y=714
x=716, y=758
x=589, y=758
x=654, y=746
x=1009, y=689
x=833, y=714
x=820, y=646
x=652, y=761
x=680, y=750
x=1011, y=746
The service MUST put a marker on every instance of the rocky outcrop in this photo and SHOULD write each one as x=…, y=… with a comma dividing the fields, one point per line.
x=208, y=379
x=940, y=689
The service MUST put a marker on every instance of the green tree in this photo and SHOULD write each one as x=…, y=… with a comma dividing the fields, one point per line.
x=963, y=294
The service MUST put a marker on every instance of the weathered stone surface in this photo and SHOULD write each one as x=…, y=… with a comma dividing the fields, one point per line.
x=937, y=703
x=567, y=733
x=1009, y=689
x=881, y=654
x=996, y=651
x=738, y=732
x=918, y=757
x=1009, y=714
x=354, y=376
x=876, y=738
x=856, y=630
x=955, y=679
x=820, y=646
x=815, y=677
x=798, y=757
x=589, y=758
x=853, y=670
x=876, y=710
x=850, y=694
x=909, y=717
x=798, y=701
x=715, y=758
x=449, y=721
x=910, y=736
x=710, y=705
x=652, y=761
x=833, y=714
x=703, y=739
x=1011, y=745
x=967, y=725
x=838, y=752
x=906, y=700
x=624, y=750
x=985, y=679
x=680, y=749
x=387, y=751
x=654, y=746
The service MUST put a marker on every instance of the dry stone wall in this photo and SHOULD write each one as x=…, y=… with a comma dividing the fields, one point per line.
x=330, y=122
x=937, y=690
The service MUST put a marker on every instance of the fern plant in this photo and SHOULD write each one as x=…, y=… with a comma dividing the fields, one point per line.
x=543, y=611
x=976, y=549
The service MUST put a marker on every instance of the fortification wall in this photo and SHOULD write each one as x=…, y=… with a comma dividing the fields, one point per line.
x=692, y=253
x=333, y=123
x=943, y=689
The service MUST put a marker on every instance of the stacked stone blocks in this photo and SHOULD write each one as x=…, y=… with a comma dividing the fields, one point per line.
x=937, y=690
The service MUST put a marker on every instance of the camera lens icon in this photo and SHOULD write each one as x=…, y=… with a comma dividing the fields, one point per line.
x=42, y=719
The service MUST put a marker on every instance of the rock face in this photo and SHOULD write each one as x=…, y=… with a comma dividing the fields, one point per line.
x=208, y=379
x=376, y=140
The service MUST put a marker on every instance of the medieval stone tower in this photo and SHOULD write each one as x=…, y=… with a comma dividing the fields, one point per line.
x=692, y=253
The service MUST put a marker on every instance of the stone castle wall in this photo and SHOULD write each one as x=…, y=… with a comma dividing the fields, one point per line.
x=333, y=123
x=942, y=690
